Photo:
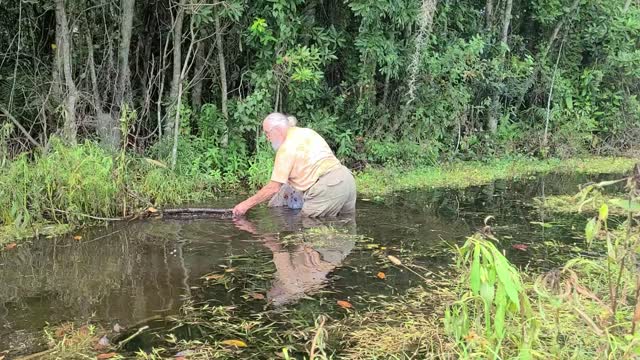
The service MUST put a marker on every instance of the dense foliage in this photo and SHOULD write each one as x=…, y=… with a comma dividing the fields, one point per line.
x=383, y=80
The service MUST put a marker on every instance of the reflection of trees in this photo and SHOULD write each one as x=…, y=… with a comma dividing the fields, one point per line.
x=124, y=273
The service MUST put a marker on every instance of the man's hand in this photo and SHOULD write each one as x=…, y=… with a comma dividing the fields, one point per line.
x=263, y=194
x=241, y=209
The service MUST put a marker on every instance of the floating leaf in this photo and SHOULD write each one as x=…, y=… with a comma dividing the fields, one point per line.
x=152, y=210
x=394, y=260
x=156, y=163
x=381, y=275
x=236, y=343
x=106, y=355
x=627, y=205
x=10, y=246
x=77, y=238
x=257, y=296
x=344, y=304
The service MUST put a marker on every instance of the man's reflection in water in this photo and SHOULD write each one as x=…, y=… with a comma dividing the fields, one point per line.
x=302, y=266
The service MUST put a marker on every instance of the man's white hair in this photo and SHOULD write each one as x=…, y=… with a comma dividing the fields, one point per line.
x=276, y=119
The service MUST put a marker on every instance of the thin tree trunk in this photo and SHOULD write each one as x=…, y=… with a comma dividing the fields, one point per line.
x=488, y=14
x=63, y=43
x=506, y=21
x=177, y=66
x=104, y=121
x=198, y=77
x=181, y=76
x=385, y=94
x=223, y=80
x=126, y=27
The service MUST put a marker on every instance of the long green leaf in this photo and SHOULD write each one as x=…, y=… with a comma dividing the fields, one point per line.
x=506, y=278
x=590, y=230
x=474, y=277
x=627, y=205
x=498, y=321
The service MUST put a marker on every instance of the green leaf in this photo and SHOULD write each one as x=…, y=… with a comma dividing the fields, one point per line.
x=487, y=292
x=499, y=319
x=628, y=205
x=511, y=287
x=474, y=277
x=604, y=213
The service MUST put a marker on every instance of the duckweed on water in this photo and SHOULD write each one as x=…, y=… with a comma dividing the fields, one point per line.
x=375, y=181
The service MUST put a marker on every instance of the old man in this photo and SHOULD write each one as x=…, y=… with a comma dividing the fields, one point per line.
x=304, y=161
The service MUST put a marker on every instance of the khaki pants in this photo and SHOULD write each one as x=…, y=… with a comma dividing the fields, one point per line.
x=333, y=194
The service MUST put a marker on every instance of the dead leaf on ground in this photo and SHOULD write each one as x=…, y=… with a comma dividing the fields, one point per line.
x=152, y=210
x=236, y=343
x=106, y=355
x=344, y=304
x=381, y=275
x=229, y=269
x=77, y=238
x=257, y=296
x=156, y=163
x=10, y=246
x=213, y=277
x=394, y=260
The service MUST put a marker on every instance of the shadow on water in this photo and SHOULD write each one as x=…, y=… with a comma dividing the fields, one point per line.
x=133, y=273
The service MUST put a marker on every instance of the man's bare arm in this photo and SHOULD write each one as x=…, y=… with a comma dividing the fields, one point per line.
x=262, y=195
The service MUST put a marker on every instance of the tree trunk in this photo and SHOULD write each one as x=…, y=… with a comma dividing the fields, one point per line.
x=506, y=21
x=177, y=67
x=223, y=80
x=385, y=94
x=198, y=76
x=126, y=27
x=104, y=121
x=488, y=14
x=63, y=54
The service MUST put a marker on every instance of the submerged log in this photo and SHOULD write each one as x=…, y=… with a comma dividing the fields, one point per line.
x=197, y=212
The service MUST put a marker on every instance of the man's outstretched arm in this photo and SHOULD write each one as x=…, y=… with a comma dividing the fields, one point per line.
x=262, y=195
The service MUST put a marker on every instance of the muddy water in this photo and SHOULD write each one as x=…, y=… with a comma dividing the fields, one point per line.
x=129, y=273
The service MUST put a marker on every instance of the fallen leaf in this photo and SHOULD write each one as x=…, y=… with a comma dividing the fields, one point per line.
x=230, y=270
x=106, y=355
x=381, y=275
x=257, y=296
x=10, y=246
x=344, y=304
x=236, y=343
x=77, y=238
x=117, y=328
x=156, y=163
x=394, y=260
x=180, y=358
x=521, y=247
x=213, y=276
x=102, y=344
x=152, y=210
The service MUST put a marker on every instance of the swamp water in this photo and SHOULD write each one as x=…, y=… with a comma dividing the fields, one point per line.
x=137, y=273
